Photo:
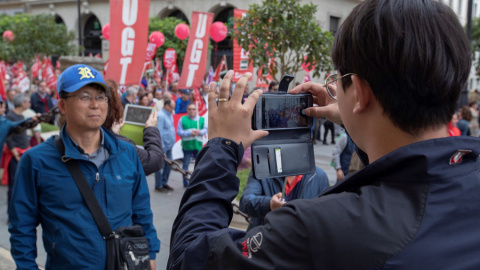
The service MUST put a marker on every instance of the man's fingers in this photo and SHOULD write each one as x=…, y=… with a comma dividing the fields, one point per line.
x=330, y=112
x=225, y=87
x=212, y=91
x=252, y=100
x=240, y=87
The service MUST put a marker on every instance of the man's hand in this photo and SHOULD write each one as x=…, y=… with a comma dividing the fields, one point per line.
x=327, y=107
x=195, y=132
x=153, y=265
x=231, y=119
x=275, y=201
x=152, y=120
x=116, y=127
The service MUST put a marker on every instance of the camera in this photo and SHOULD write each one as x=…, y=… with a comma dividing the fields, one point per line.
x=288, y=148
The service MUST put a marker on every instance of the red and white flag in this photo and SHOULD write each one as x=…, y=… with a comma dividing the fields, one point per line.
x=195, y=62
x=3, y=69
x=48, y=74
x=172, y=74
x=37, y=65
x=105, y=67
x=201, y=107
x=129, y=32
x=307, y=77
x=157, y=73
x=3, y=91
x=21, y=79
x=221, y=67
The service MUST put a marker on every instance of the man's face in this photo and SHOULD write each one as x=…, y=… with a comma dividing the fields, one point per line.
x=2, y=108
x=168, y=107
x=204, y=89
x=158, y=95
x=174, y=88
x=192, y=111
x=185, y=97
x=42, y=88
x=10, y=95
x=83, y=110
x=26, y=105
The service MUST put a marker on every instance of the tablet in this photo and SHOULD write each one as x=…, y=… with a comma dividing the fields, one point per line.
x=136, y=115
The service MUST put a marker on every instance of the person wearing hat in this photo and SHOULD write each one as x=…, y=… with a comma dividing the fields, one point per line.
x=45, y=192
x=183, y=101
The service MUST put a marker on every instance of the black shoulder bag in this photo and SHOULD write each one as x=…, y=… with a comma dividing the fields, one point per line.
x=127, y=248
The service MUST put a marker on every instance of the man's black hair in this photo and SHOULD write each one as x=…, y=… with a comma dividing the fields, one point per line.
x=414, y=55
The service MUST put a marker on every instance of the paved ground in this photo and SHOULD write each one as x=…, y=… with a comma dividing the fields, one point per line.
x=164, y=206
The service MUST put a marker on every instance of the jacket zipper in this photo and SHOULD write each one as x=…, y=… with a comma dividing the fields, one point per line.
x=97, y=179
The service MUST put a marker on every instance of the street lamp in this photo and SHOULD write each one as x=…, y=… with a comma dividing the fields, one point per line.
x=79, y=29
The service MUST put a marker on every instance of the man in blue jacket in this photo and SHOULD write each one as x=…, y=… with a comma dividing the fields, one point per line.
x=400, y=68
x=45, y=192
x=260, y=196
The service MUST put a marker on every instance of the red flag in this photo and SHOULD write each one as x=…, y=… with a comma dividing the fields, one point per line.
x=201, y=107
x=3, y=91
x=105, y=67
x=172, y=74
x=3, y=69
x=151, y=51
x=129, y=31
x=240, y=56
x=195, y=62
x=221, y=67
x=157, y=74
x=169, y=58
x=263, y=80
x=36, y=67
x=48, y=74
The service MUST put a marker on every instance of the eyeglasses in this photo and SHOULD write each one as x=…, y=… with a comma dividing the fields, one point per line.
x=331, y=81
x=86, y=98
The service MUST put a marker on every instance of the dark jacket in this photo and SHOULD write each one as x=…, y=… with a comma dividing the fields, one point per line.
x=255, y=200
x=151, y=156
x=414, y=208
x=37, y=104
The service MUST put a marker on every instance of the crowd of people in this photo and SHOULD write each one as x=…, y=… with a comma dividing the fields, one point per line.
x=414, y=205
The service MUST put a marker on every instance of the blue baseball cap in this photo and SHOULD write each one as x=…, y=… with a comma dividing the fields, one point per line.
x=77, y=76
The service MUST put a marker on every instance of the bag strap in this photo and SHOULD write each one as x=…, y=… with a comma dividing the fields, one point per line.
x=86, y=191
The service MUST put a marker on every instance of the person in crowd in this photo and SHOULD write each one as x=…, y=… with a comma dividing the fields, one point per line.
x=41, y=99
x=45, y=192
x=415, y=206
x=143, y=100
x=474, y=125
x=151, y=103
x=342, y=154
x=464, y=121
x=17, y=144
x=328, y=126
x=260, y=196
x=183, y=101
x=158, y=99
x=167, y=132
x=204, y=92
x=151, y=154
x=33, y=134
x=273, y=87
x=9, y=102
x=191, y=128
x=173, y=89
x=131, y=96
x=452, y=126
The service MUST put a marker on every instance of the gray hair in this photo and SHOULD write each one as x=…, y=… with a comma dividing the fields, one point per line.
x=131, y=91
x=18, y=99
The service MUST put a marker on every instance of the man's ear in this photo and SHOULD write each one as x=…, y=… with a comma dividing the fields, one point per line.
x=61, y=105
x=363, y=94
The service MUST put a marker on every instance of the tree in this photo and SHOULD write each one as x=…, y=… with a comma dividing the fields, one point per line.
x=286, y=32
x=34, y=34
x=167, y=27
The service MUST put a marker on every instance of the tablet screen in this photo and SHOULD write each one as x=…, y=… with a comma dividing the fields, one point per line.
x=136, y=115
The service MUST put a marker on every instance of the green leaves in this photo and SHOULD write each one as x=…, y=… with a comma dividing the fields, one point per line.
x=285, y=31
x=34, y=34
x=167, y=27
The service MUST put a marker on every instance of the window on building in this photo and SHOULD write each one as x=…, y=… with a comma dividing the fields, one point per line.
x=334, y=24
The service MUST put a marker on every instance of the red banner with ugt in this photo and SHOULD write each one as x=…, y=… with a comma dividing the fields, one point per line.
x=240, y=56
x=195, y=62
x=129, y=33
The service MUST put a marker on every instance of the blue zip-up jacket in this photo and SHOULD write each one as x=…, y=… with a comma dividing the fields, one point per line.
x=256, y=196
x=167, y=129
x=414, y=208
x=6, y=126
x=45, y=193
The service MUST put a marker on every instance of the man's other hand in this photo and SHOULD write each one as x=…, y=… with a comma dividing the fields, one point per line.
x=276, y=201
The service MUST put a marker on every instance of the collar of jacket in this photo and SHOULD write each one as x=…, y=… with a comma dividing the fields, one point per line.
x=110, y=143
x=421, y=162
